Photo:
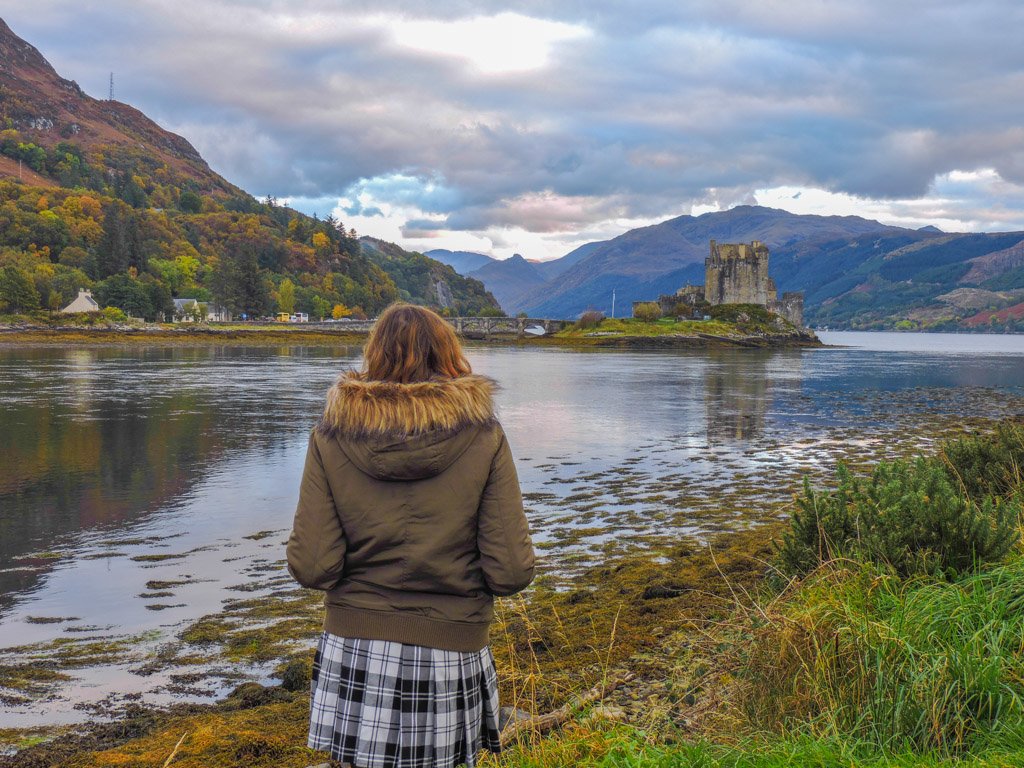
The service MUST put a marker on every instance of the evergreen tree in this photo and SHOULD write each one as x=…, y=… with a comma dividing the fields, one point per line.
x=127, y=294
x=238, y=281
x=190, y=202
x=121, y=246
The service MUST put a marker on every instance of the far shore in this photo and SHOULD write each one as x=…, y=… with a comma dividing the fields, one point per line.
x=316, y=334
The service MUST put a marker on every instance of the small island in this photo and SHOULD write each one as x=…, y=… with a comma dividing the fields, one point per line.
x=729, y=325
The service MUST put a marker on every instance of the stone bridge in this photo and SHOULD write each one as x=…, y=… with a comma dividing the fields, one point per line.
x=485, y=327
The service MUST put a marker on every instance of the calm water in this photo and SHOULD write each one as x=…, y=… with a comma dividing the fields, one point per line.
x=109, y=455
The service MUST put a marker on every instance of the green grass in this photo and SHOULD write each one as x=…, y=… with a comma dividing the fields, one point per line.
x=920, y=665
x=663, y=327
x=618, y=746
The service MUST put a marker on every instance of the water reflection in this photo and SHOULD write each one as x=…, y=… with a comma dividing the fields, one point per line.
x=736, y=395
x=103, y=439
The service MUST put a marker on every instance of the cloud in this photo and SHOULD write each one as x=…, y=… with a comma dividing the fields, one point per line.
x=560, y=119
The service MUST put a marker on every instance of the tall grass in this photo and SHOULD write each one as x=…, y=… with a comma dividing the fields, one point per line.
x=617, y=746
x=921, y=665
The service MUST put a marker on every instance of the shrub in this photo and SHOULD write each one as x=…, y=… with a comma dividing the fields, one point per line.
x=908, y=516
x=741, y=313
x=989, y=463
x=648, y=311
x=590, y=319
x=114, y=315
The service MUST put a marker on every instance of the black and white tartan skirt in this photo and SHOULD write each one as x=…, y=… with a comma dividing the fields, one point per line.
x=381, y=704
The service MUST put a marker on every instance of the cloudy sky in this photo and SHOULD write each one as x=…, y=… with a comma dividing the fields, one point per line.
x=533, y=127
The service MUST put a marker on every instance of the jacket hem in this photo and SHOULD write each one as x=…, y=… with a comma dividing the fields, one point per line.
x=463, y=637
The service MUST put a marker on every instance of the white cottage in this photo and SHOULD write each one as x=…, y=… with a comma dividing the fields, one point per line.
x=184, y=309
x=84, y=302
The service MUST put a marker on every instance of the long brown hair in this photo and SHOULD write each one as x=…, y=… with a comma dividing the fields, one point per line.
x=409, y=344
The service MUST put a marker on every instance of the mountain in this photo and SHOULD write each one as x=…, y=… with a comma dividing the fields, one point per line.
x=462, y=262
x=509, y=279
x=424, y=280
x=94, y=194
x=644, y=262
x=553, y=268
x=856, y=273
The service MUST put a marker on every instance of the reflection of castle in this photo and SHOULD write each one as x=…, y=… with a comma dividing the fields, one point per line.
x=737, y=273
x=736, y=394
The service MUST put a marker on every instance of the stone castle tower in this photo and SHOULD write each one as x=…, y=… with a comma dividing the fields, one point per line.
x=737, y=273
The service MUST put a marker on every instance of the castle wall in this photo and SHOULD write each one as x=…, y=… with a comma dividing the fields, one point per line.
x=790, y=307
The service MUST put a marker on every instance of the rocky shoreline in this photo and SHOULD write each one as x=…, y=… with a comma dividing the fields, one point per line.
x=640, y=612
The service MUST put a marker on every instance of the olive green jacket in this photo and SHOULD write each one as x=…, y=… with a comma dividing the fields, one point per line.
x=410, y=515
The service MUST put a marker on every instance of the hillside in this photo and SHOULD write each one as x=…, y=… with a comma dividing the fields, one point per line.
x=93, y=194
x=423, y=280
x=513, y=280
x=856, y=273
x=40, y=105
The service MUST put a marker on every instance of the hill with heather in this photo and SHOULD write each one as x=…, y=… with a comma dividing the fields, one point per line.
x=94, y=194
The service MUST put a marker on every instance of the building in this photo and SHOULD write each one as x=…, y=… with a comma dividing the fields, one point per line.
x=84, y=302
x=184, y=309
x=736, y=273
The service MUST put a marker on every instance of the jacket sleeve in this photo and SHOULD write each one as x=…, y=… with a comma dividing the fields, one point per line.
x=503, y=535
x=316, y=547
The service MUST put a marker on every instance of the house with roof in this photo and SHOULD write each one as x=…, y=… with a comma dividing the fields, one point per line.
x=184, y=311
x=84, y=302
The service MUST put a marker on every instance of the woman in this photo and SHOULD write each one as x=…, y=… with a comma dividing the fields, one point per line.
x=410, y=518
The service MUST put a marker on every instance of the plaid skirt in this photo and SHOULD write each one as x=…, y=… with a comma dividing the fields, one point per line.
x=382, y=704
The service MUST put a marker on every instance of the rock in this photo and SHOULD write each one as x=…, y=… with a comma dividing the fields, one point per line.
x=608, y=712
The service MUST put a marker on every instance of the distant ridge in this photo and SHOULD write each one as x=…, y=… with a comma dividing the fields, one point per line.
x=463, y=262
x=855, y=272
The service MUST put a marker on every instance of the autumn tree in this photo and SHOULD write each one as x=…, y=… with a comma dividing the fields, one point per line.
x=286, y=296
x=648, y=311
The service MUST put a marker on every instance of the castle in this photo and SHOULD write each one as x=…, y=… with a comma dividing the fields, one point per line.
x=737, y=273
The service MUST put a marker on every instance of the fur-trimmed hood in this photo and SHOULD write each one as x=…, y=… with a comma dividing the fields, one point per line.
x=406, y=431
